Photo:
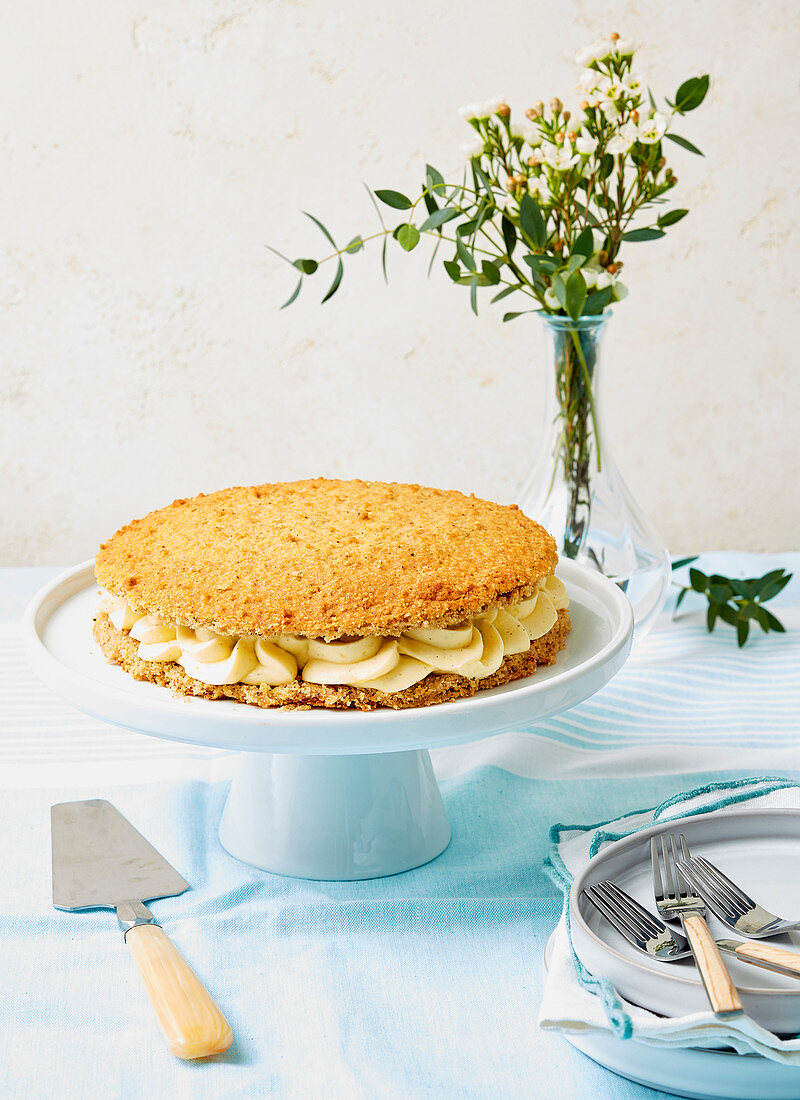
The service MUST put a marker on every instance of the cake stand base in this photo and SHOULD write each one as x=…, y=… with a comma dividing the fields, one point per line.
x=335, y=817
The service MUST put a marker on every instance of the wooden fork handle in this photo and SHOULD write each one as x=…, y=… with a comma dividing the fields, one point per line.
x=766, y=953
x=721, y=991
x=191, y=1022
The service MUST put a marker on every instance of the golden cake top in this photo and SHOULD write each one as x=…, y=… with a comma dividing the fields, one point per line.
x=325, y=558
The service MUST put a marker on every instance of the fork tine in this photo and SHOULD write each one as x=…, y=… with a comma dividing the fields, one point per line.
x=651, y=923
x=622, y=903
x=707, y=874
x=669, y=870
x=723, y=880
x=680, y=882
x=622, y=913
x=706, y=887
x=685, y=848
x=610, y=914
x=658, y=886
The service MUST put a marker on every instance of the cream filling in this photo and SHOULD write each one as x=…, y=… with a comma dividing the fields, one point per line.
x=475, y=648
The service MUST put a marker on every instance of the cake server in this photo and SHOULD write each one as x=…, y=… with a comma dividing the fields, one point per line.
x=101, y=861
x=644, y=931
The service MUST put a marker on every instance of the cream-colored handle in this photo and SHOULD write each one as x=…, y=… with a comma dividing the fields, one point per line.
x=789, y=960
x=192, y=1024
x=720, y=989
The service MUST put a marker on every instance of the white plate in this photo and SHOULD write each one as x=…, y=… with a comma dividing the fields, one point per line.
x=57, y=630
x=701, y=1074
x=760, y=851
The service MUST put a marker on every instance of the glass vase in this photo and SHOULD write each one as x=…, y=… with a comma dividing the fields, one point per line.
x=575, y=489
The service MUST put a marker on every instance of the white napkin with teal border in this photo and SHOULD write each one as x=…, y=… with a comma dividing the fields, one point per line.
x=576, y=1001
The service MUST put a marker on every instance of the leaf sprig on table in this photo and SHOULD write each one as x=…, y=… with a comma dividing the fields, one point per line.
x=736, y=602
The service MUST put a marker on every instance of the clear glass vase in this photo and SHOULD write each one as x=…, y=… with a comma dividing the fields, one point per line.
x=575, y=489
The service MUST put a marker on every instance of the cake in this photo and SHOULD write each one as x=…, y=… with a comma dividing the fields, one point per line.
x=323, y=593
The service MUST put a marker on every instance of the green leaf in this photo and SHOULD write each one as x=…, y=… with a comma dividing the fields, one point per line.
x=584, y=244
x=473, y=296
x=520, y=313
x=383, y=259
x=531, y=223
x=711, y=616
x=464, y=254
x=774, y=624
x=336, y=280
x=355, y=245
x=574, y=262
x=681, y=595
x=319, y=224
x=484, y=182
x=438, y=218
x=760, y=615
x=597, y=302
x=684, y=561
x=698, y=580
x=643, y=235
x=651, y=97
x=742, y=630
x=560, y=290
x=576, y=295
x=394, y=199
x=308, y=267
x=607, y=166
x=491, y=272
x=691, y=94
x=467, y=228
x=540, y=263
x=728, y=614
x=504, y=293
x=294, y=294
x=430, y=202
x=509, y=235
x=671, y=217
x=719, y=593
x=452, y=269
x=407, y=236
x=774, y=586
x=684, y=144
x=434, y=180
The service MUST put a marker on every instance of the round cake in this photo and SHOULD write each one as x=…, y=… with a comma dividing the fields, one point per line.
x=331, y=593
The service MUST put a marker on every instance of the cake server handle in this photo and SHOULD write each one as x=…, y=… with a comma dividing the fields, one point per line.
x=192, y=1024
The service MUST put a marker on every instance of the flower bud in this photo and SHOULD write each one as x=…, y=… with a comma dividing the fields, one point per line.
x=558, y=245
x=503, y=110
x=533, y=161
x=567, y=116
x=635, y=117
x=612, y=269
x=662, y=161
x=614, y=37
x=556, y=105
x=560, y=137
x=672, y=180
x=584, y=104
x=602, y=258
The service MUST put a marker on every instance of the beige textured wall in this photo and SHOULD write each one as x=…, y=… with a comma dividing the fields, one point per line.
x=149, y=150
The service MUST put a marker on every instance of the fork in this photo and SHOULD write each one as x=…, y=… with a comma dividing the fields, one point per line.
x=727, y=901
x=652, y=937
x=676, y=901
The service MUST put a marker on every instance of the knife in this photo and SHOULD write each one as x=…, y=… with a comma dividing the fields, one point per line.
x=101, y=861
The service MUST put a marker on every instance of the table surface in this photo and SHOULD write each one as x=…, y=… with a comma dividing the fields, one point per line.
x=425, y=984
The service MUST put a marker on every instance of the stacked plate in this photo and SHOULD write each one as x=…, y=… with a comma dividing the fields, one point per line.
x=760, y=851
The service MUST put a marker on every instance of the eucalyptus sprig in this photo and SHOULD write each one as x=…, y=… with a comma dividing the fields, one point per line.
x=545, y=205
x=736, y=602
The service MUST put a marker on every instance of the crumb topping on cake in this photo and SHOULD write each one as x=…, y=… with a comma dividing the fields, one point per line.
x=326, y=559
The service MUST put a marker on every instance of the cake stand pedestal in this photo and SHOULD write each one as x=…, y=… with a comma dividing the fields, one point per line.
x=320, y=793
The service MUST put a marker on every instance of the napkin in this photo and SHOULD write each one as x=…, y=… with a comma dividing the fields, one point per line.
x=576, y=1001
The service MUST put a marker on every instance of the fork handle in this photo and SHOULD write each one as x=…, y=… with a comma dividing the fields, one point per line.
x=766, y=953
x=719, y=988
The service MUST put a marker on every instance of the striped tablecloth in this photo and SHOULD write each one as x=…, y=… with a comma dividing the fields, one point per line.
x=422, y=985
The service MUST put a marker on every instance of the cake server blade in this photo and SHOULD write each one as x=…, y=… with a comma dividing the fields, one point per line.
x=100, y=860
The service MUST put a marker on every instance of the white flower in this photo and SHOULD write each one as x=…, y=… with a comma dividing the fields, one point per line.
x=620, y=292
x=623, y=139
x=653, y=129
x=609, y=109
x=472, y=148
x=592, y=81
x=538, y=189
x=527, y=131
x=559, y=157
x=612, y=90
x=502, y=202
x=481, y=110
x=589, y=275
x=624, y=46
x=634, y=83
x=550, y=299
x=603, y=279
x=596, y=51
x=586, y=144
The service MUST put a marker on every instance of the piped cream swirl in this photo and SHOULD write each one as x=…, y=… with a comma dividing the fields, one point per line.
x=474, y=648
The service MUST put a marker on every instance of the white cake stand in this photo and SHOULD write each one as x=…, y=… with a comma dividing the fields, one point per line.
x=320, y=793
